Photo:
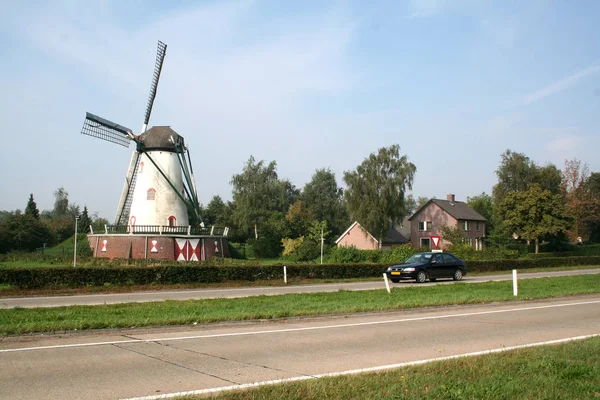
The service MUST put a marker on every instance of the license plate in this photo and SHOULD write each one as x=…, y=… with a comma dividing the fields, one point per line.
x=395, y=273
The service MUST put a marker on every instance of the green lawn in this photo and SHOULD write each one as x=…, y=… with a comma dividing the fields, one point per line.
x=16, y=321
x=567, y=371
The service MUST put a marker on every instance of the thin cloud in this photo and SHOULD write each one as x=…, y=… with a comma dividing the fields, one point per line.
x=560, y=85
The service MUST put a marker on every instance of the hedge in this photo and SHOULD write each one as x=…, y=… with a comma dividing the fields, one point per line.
x=37, y=278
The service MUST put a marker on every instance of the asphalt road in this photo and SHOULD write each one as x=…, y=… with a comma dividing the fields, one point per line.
x=192, y=294
x=126, y=364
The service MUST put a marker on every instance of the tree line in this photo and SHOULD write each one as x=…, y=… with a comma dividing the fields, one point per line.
x=534, y=203
x=31, y=229
x=529, y=202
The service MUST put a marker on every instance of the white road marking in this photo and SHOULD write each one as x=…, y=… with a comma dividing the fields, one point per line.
x=310, y=328
x=357, y=371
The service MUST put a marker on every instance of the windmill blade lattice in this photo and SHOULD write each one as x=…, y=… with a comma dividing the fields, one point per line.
x=160, y=57
x=106, y=130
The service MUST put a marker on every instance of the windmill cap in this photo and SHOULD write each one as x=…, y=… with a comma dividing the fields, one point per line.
x=160, y=138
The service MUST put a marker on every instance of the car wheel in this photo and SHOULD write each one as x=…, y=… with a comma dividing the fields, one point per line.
x=457, y=275
x=421, y=277
x=395, y=280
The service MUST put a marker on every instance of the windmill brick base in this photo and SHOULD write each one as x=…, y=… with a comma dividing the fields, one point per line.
x=158, y=246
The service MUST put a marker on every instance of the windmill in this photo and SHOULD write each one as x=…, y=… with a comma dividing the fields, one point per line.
x=159, y=188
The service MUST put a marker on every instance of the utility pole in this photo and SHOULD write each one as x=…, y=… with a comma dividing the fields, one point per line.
x=75, y=244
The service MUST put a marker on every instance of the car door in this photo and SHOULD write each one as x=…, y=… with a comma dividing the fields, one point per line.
x=436, y=266
x=450, y=264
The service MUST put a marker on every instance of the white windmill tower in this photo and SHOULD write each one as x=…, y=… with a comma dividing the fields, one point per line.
x=159, y=188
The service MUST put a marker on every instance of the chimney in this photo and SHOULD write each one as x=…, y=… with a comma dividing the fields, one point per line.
x=450, y=197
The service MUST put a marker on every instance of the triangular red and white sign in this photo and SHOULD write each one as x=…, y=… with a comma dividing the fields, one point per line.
x=435, y=240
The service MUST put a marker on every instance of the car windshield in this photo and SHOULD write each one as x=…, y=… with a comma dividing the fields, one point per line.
x=419, y=257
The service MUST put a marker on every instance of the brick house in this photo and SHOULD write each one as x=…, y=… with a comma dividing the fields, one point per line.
x=359, y=237
x=429, y=220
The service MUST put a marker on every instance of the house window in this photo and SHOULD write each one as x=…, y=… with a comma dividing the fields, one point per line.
x=425, y=242
x=478, y=226
x=151, y=194
x=425, y=225
x=467, y=225
x=172, y=221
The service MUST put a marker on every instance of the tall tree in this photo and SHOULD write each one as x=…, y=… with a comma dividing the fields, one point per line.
x=516, y=172
x=257, y=192
x=84, y=221
x=376, y=190
x=61, y=202
x=421, y=201
x=324, y=200
x=582, y=206
x=32, y=209
x=533, y=213
x=483, y=204
x=216, y=212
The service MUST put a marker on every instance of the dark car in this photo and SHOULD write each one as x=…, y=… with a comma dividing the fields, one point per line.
x=429, y=265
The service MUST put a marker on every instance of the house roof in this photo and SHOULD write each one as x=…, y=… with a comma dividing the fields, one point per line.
x=392, y=236
x=457, y=209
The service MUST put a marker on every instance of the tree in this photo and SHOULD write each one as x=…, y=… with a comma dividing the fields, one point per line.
x=84, y=221
x=23, y=232
x=581, y=204
x=376, y=190
x=421, y=201
x=516, y=172
x=324, y=200
x=61, y=202
x=483, y=204
x=298, y=217
x=257, y=192
x=32, y=209
x=593, y=183
x=216, y=212
x=533, y=213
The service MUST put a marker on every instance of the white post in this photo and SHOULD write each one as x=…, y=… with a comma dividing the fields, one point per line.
x=515, y=286
x=387, y=283
x=285, y=274
x=75, y=244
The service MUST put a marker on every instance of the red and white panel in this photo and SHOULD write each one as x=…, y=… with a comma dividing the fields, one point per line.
x=188, y=250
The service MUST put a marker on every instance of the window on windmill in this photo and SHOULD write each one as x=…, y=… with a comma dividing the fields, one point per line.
x=172, y=221
x=141, y=169
x=151, y=194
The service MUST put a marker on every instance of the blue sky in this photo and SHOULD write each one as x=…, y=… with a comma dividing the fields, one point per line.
x=315, y=84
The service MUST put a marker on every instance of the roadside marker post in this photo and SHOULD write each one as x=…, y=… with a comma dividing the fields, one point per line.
x=515, y=286
x=387, y=283
x=285, y=274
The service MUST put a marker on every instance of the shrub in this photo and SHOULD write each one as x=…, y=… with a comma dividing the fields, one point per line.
x=308, y=251
x=346, y=255
x=290, y=246
x=235, y=270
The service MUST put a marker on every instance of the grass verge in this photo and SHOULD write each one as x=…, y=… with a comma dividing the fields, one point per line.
x=21, y=320
x=566, y=371
x=10, y=291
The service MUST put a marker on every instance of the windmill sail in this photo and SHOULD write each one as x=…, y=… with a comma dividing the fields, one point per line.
x=106, y=130
x=122, y=217
x=160, y=57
